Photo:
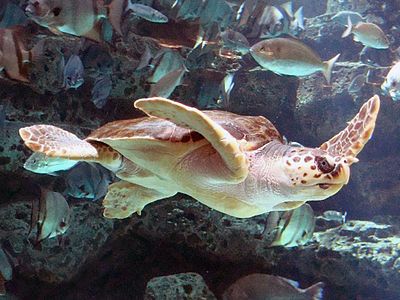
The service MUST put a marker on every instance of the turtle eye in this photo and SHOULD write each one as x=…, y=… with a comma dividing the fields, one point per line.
x=324, y=165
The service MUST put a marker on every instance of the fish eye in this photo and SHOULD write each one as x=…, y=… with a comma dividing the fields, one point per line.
x=56, y=11
x=62, y=224
x=323, y=164
x=394, y=83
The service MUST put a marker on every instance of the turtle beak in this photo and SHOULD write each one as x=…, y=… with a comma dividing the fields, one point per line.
x=341, y=174
x=339, y=177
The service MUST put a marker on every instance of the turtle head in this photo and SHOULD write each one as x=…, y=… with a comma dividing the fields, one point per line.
x=317, y=173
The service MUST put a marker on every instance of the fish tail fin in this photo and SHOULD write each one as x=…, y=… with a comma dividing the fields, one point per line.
x=328, y=65
x=315, y=292
x=299, y=18
x=288, y=8
x=56, y=142
x=115, y=11
x=349, y=28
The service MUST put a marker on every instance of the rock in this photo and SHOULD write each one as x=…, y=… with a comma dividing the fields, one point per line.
x=53, y=262
x=356, y=258
x=178, y=286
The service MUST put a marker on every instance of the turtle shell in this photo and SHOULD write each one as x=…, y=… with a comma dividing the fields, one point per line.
x=255, y=130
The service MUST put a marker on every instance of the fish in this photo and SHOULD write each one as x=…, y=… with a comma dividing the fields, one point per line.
x=234, y=41
x=51, y=215
x=333, y=215
x=342, y=16
x=295, y=227
x=216, y=11
x=167, y=84
x=145, y=58
x=268, y=21
x=391, y=85
x=41, y=164
x=14, y=56
x=259, y=286
x=287, y=56
x=146, y=12
x=73, y=72
x=226, y=87
x=273, y=20
x=89, y=181
x=369, y=34
x=357, y=83
x=11, y=15
x=76, y=17
x=165, y=63
x=188, y=10
x=297, y=21
x=101, y=90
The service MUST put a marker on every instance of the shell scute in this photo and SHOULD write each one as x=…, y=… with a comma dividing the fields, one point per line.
x=255, y=130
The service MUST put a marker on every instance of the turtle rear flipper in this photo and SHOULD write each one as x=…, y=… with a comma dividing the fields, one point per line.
x=226, y=145
x=57, y=142
x=351, y=140
x=125, y=198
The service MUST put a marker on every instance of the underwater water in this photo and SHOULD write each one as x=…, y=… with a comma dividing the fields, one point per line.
x=199, y=149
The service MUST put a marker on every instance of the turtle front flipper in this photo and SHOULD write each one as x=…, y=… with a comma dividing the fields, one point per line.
x=56, y=142
x=189, y=117
x=124, y=198
x=351, y=140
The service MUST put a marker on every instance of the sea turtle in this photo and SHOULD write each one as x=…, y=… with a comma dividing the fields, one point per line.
x=238, y=165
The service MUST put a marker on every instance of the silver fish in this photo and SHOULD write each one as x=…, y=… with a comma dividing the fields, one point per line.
x=73, y=72
x=336, y=216
x=234, y=41
x=226, y=87
x=146, y=12
x=369, y=34
x=144, y=59
x=295, y=227
x=42, y=164
x=101, y=90
x=88, y=181
x=273, y=22
x=342, y=16
x=357, y=83
x=391, y=85
x=53, y=217
x=263, y=286
x=167, y=84
x=290, y=57
x=169, y=61
x=297, y=21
